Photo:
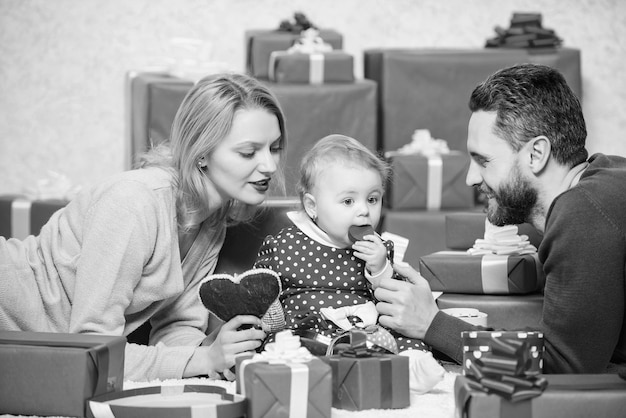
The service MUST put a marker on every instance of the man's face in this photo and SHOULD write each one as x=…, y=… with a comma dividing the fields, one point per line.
x=495, y=170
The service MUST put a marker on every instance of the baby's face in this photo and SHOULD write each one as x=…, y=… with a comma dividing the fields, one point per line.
x=347, y=195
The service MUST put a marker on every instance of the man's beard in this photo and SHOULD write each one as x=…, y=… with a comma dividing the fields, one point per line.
x=514, y=203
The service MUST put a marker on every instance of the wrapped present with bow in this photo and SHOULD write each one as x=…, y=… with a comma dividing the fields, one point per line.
x=311, y=60
x=504, y=362
x=366, y=378
x=428, y=175
x=526, y=31
x=503, y=262
x=285, y=380
x=260, y=43
x=563, y=395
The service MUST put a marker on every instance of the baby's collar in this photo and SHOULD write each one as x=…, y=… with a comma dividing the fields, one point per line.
x=306, y=225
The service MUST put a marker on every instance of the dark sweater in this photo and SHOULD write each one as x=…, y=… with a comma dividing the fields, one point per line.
x=583, y=253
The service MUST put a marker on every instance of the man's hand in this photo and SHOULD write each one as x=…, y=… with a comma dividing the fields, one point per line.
x=407, y=307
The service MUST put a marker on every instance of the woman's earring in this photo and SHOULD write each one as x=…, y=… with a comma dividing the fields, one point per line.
x=201, y=164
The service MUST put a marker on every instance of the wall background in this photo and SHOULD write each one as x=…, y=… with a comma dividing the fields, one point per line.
x=63, y=62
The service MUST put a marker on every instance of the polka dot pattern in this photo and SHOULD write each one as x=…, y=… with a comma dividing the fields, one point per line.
x=314, y=276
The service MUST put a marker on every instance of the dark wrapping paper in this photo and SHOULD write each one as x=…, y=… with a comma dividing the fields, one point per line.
x=460, y=272
x=311, y=112
x=504, y=311
x=377, y=382
x=226, y=405
x=463, y=228
x=425, y=230
x=268, y=388
x=260, y=43
x=566, y=396
x=327, y=67
x=419, y=182
x=20, y=217
x=54, y=374
x=430, y=88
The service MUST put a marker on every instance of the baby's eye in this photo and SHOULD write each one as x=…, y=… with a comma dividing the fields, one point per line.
x=373, y=200
x=348, y=202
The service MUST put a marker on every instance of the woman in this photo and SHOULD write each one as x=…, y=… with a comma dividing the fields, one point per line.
x=135, y=247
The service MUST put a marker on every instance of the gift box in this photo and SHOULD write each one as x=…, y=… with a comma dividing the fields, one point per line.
x=180, y=401
x=512, y=353
x=260, y=43
x=54, y=373
x=434, y=182
x=21, y=216
x=411, y=80
x=316, y=68
x=375, y=381
x=460, y=272
x=503, y=311
x=463, y=228
x=281, y=390
x=566, y=395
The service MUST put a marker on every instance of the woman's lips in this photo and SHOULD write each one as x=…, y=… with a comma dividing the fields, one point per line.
x=261, y=185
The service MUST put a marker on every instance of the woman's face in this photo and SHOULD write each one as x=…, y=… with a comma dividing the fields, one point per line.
x=242, y=166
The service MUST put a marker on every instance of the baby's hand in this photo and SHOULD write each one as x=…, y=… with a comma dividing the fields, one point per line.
x=372, y=250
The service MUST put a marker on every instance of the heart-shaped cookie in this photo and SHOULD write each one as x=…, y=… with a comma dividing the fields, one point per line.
x=249, y=293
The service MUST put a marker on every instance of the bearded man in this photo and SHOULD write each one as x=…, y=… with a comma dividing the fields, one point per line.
x=526, y=140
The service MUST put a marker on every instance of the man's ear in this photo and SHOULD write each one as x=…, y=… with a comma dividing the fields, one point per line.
x=539, y=153
x=310, y=206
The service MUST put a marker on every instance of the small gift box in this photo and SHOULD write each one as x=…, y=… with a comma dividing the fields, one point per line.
x=285, y=381
x=315, y=68
x=564, y=395
x=460, y=272
x=260, y=43
x=429, y=182
x=512, y=353
x=367, y=379
x=54, y=374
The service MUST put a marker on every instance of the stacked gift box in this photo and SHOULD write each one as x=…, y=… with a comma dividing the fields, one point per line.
x=21, y=216
x=506, y=287
x=502, y=377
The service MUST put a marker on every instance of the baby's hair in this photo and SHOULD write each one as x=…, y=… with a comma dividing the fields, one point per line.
x=338, y=148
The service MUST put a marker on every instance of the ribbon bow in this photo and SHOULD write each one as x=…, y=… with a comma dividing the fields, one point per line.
x=503, y=371
x=310, y=42
x=359, y=346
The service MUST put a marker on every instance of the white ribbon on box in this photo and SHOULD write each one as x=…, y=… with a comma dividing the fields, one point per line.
x=20, y=218
x=311, y=44
x=286, y=350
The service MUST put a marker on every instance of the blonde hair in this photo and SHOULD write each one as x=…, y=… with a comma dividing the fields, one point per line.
x=204, y=119
x=342, y=149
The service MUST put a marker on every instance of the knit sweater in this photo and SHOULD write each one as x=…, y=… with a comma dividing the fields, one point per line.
x=583, y=253
x=108, y=262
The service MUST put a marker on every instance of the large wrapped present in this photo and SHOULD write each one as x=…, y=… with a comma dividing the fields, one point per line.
x=21, y=216
x=503, y=311
x=367, y=379
x=424, y=230
x=434, y=182
x=315, y=68
x=260, y=43
x=285, y=381
x=566, y=395
x=55, y=373
x=431, y=87
x=312, y=112
x=460, y=272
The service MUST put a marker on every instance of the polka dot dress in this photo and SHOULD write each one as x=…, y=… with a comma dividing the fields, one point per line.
x=315, y=276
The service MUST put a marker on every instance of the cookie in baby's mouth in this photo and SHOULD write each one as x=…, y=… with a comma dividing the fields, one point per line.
x=357, y=232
